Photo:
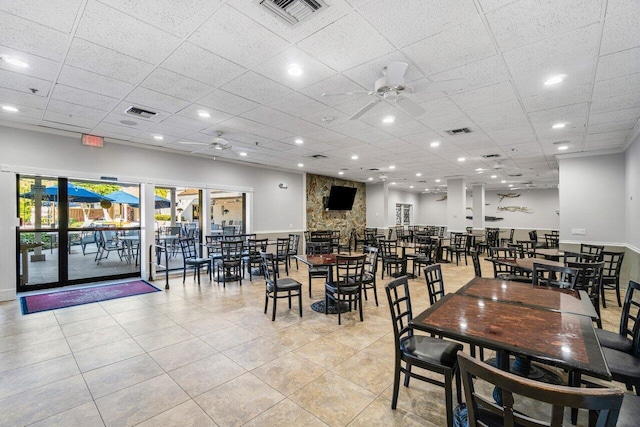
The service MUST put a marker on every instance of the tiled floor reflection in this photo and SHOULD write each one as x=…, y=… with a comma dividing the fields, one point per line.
x=208, y=355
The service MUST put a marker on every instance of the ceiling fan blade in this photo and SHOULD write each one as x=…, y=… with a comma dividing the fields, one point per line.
x=192, y=143
x=395, y=73
x=364, y=109
x=362, y=92
x=440, y=86
x=410, y=107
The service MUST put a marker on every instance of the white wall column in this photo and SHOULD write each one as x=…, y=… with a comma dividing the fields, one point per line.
x=147, y=231
x=456, y=204
x=478, y=206
x=385, y=192
x=205, y=213
x=8, y=224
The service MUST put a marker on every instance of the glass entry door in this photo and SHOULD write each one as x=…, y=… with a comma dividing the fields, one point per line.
x=74, y=231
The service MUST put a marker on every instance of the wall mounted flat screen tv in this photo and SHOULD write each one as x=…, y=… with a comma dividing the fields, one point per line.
x=340, y=198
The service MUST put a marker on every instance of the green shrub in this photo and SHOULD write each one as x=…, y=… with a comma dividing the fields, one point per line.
x=162, y=217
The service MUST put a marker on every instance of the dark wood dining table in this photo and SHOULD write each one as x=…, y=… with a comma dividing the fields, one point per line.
x=553, y=254
x=525, y=264
x=554, y=329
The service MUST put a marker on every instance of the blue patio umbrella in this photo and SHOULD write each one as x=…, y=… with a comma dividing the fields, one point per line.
x=76, y=194
x=123, y=198
x=162, y=203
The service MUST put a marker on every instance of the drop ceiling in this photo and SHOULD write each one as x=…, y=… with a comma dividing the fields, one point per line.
x=88, y=61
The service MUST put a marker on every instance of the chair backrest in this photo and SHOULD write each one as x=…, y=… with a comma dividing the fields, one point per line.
x=554, y=276
x=317, y=248
x=400, y=306
x=388, y=248
x=349, y=270
x=389, y=233
x=255, y=246
x=469, y=230
x=188, y=247
x=424, y=247
x=371, y=260
x=481, y=408
x=435, y=283
x=589, y=279
x=579, y=257
x=492, y=237
x=459, y=241
x=294, y=240
x=269, y=269
x=502, y=253
x=629, y=319
x=552, y=240
x=612, y=264
x=519, y=249
x=228, y=230
x=597, y=250
x=320, y=235
x=231, y=250
x=533, y=235
x=511, y=233
x=476, y=262
x=527, y=247
x=282, y=246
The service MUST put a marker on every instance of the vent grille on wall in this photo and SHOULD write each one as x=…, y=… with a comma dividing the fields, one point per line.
x=491, y=156
x=319, y=156
x=139, y=112
x=293, y=11
x=458, y=131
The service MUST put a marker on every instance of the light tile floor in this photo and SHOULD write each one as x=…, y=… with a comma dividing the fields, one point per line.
x=208, y=355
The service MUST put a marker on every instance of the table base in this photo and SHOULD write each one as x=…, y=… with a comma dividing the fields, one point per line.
x=524, y=368
x=332, y=309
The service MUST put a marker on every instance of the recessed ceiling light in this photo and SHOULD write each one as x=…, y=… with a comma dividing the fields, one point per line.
x=341, y=173
x=393, y=183
x=418, y=174
x=370, y=179
x=461, y=159
x=554, y=80
x=354, y=157
x=494, y=176
x=218, y=147
x=411, y=186
x=243, y=153
x=158, y=137
x=294, y=70
x=392, y=167
x=204, y=114
x=300, y=165
x=478, y=169
x=563, y=147
x=437, y=180
x=435, y=143
x=389, y=119
x=503, y=181
x=558, y=126
x=510, y=185
x=14, y=61
x=426, y=189
x=9, y=108
x=299, y=141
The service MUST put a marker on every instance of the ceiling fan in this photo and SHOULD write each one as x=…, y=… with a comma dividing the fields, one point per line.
x=391, y=87
x=218, y=144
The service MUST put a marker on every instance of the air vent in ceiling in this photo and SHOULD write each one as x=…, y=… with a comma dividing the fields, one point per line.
x=373, y=169
x=514, y=175
x=319, y=156
x=458, y=131
x=139, y=112
x=293, y=11
x=491, y=156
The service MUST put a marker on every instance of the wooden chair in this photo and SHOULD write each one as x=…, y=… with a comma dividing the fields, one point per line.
x=318, y=248
x=392, y=263
x=275, y=289
x=611, y=274
x=425, y=352
x=623, y=339
x=483, y=410
x=596, y=250
x=554, y=276
x=229, y=266
x=347, y=286
x=477, y=269
x=589, y=280
x=370, y=272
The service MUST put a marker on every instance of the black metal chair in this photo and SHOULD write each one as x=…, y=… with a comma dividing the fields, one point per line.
x=251, y=254
x=106, y=242
x=554, y=276
x=282, y=254
x=477, y=269
x=370, y=272
x=347, y=285
x=491, y=240
x=552, y=241
x=282, y=288
x=423, y=253
x=292, y=250
x=458, y=246
x=623, y=339
x=392, y=263
x=229, y=266
x=191, y=259
x=505, y=241
x=318, y=248
x=482, y=410
x=425, y=352
x=435, y=283
x=590, y=280
x=611, y=274
x=596, y=250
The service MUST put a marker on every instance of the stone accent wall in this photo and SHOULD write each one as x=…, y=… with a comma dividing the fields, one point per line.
x=318, y=188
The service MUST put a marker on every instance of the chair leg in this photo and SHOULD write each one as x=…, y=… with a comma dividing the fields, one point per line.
x=407, y=375
x=448, y=398
x=289, y=294
x=300, y=301
x=602, y=296
x=359, y=302
x=375, y=292
x=618, y=292
x=266, y=301
x=275, y=301
x=396, y=384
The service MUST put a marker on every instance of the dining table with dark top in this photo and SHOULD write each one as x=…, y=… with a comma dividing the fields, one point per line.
x=553, y=330
x=553, y=254
x=525, y=264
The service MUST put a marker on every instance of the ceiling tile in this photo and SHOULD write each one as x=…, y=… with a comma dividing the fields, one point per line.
x=256, y=88
x=326, y=135
x=39, y=67
x=83, y=97
x=215, y=115
x=617, y=86
x=100, y=60
x=609, y=127
x=489, y=5
x=178, y=18
x=81, y=122
x=175, y=85
x=557, y=97
x=337, y=83
x=621, y=134
x=142, y=97
x=209, y=68
x=484, y=72
x=572, y=54
x=116, y=132
x=115, y=30
x=416, y=19
x=345, y=43
x=184, y=123
x=326, y=117
x=465, y=43
x=86, y=80
x=22, y=83
x=225, y=101
x=440, y=107
x=447, y=122
x=8, y=96
x=615, y=116
x=75, y=110
x=476, y=98
x=560, y=114
x=276, y=68
x=298, y=126
x=520, y=135
x=168, y=131
x=267, y=115
x=618, y=64
x=27, y=36
x=136, y=124
x=353, y=128
x=616, y=35
x=237, y=38
x=621, y=102
x=297, y=104
x=527, y=21
x=57, y=14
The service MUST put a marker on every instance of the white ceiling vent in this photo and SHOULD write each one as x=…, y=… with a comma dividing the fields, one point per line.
x=293, y=11
x=139, y=112
x=458, y=131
